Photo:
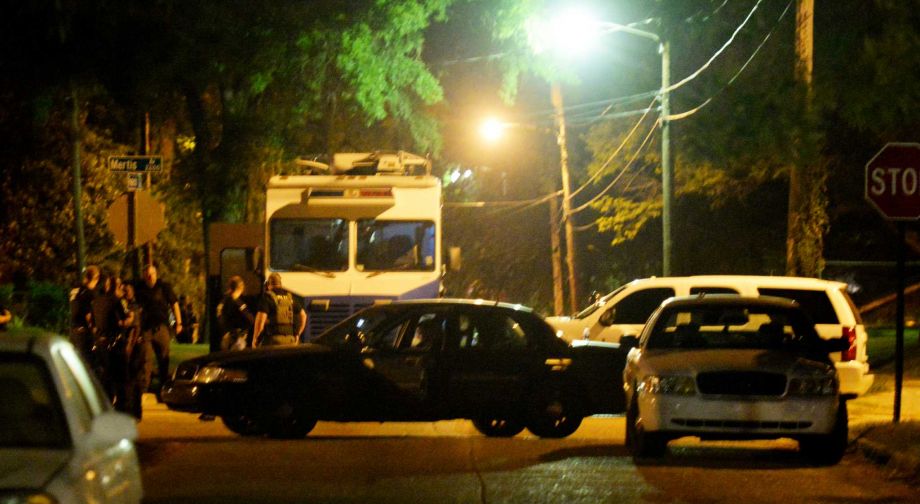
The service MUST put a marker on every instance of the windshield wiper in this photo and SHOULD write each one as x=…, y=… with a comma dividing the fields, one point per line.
x=310, y=269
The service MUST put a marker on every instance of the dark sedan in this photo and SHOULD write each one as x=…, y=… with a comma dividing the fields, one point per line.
x=499, y=365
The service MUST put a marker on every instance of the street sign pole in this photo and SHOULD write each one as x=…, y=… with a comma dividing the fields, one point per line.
x=899, y=331
x=893, y=187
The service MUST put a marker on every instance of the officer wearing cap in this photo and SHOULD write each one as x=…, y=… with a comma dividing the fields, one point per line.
x=280, y=318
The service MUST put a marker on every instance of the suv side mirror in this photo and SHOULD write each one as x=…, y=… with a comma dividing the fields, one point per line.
x=628, y=342
x=608, y=317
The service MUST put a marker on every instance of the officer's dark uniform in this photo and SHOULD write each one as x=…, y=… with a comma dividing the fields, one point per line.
x=281, y=309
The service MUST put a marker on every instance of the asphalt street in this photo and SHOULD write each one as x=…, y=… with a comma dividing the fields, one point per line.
x=189, y=461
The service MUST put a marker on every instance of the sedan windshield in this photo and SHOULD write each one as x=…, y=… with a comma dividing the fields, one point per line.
x=30, y=415
x=354, y=330
x=714, y=326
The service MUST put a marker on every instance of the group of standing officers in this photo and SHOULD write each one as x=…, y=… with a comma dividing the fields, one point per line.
x=115, y=326
x=279, y=317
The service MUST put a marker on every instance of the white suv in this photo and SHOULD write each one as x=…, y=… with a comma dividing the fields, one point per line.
x=625, y=311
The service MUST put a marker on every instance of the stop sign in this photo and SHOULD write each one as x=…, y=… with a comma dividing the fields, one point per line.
x=893, y=181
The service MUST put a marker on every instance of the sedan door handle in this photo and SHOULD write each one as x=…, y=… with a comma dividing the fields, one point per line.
x=412, y=361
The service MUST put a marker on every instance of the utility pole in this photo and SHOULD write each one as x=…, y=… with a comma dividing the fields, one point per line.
x=558, y=299
x=798, y=186
x=667, y=167
x=77, y=178
x=76, y=139
x=566, y=193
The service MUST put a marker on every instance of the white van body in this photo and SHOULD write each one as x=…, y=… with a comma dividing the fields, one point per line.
x=624, y=312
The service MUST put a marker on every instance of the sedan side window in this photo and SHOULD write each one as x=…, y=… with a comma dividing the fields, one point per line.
x=488, y=331
x=637, y=307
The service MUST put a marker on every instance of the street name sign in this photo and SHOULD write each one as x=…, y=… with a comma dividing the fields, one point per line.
x=135, y=164
x=893, y=181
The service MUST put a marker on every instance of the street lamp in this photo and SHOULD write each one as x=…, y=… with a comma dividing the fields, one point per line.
x=574, y=23
x=492, y=129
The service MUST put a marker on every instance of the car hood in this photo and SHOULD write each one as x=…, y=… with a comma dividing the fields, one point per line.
x=255, y=354
x=31, y=468
x=691, y=362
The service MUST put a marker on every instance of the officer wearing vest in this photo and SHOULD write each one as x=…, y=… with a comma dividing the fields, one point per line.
x=280, y=318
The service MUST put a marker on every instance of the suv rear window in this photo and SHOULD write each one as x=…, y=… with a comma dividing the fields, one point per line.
x=815, y=302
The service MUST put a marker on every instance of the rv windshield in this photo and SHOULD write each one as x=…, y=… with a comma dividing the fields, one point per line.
x=308, y=244
x=395, y=245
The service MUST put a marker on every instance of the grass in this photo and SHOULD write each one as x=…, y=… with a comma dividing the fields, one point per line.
x=881, y=344
x=179, y=352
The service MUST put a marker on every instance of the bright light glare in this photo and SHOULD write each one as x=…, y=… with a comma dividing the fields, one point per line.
x=492, y=129
x=571, y=32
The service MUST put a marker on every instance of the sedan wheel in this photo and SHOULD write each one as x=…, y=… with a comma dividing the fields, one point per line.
x=287, y=423
x=497, y=427
x=554, y=414
x=241, y=424
x=639, y=442
x=830, y=448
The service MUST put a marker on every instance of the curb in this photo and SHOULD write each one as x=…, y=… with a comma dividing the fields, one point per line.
x=900, y=465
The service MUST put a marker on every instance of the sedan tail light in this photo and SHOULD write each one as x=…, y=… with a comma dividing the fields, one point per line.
x=849, y=334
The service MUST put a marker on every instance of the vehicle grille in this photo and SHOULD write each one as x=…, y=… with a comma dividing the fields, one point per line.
x=740, y=424
x=320, y=320
x=742, y=383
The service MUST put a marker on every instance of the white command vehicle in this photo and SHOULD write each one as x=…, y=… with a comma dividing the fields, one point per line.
x=60, y=440
x=364, y=231
x=731, y=367
x=625, y=311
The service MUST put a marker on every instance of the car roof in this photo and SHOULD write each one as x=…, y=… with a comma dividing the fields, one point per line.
x=729, y=300
x=460, y=302
x=755, y=280
x=35, y=341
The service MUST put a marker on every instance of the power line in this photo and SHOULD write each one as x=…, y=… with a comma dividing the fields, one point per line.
x=600, y=170
x=684, y=115
x=622, y=171
x=707, y=17
x=570, y=109
x=717, y=53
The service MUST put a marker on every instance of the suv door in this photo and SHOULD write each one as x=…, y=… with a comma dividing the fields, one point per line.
x=628, y=315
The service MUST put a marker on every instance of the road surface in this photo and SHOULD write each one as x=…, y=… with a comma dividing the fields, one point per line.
x=188, y=461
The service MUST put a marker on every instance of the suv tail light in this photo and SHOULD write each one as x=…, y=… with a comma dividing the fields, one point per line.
x=849, y=334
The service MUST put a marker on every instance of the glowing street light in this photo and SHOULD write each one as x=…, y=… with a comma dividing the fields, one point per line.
x=493, y=129
x=573, y=27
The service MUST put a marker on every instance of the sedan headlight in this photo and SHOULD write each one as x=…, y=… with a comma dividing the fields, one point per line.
x=25, y=497
x=214, y=374
x=675, y=385
x=822, y=385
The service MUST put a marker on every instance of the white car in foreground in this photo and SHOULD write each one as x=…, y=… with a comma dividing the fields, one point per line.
x=60, y=440
x=732, y=367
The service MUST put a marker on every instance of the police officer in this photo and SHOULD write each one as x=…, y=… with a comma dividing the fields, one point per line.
x=280, y=318
x=157, y=300
x=82, y=325
x=234, y=316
